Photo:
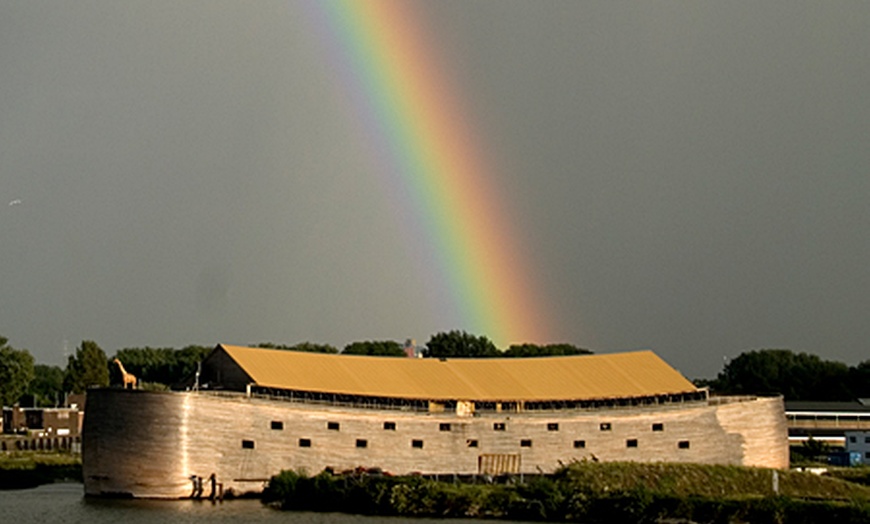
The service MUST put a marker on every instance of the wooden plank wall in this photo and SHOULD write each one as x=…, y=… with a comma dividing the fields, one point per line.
x=150, y=443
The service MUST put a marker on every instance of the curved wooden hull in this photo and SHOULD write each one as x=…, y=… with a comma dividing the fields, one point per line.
x=152, y=444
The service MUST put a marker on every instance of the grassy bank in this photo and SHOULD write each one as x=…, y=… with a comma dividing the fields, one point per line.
x=858, y=475
x=589, y=492
x=28, y=469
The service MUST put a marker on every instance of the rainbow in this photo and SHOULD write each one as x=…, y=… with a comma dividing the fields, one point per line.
x=408, y=106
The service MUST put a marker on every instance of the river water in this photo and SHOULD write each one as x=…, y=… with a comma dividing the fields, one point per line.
x=65, y=503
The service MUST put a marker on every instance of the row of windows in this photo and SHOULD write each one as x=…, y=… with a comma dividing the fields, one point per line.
x=496, y=426
x=848, y=418
x=471, y=443
x=854, y=440
x=632, y=443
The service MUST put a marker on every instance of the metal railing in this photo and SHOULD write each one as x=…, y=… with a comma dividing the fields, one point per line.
x=543, y=408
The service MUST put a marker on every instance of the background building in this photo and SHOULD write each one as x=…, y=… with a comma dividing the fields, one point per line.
x=826, y=421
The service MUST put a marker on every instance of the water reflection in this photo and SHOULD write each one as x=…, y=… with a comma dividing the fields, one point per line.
x=65, y=503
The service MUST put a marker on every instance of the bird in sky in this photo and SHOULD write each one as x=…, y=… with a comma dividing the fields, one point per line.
x=15, y=202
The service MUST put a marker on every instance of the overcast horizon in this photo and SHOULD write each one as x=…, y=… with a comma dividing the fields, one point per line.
x=690, y=178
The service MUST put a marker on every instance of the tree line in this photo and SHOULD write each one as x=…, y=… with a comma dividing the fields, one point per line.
x=451, y=344
x=39, y=385
x=797, y=376
x=28, y=383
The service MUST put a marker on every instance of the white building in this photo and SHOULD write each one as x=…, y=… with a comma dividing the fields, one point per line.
x=858, y=446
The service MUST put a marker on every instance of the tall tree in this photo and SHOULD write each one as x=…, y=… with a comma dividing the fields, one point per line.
x=549, y=350
x=187, y=359
x=167, y=366
x=147, y=364
x=88, y=367
x=314, y=348
x=308, y=347
x=459, y=344
x=47, y=385
x=859, y=380
x=16, y=372
x=797, y=376
x=384, y=348
x=272, y=345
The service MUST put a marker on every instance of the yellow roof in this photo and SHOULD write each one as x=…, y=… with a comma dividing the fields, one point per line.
x=619, y=375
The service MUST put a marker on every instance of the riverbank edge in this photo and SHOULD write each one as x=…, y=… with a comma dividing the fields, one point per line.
x=25, y=470
x=560, y=498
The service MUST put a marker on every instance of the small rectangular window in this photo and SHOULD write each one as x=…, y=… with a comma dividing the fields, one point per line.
x=498, y=426
x=604, y=426
x=553, y=426
x=683, y=444
x=362, y=443
x=417, y=444
x=579, y=443
x=631, y=443
x=471, y=443
x=305, y=443
x=526, y=443
x=866, y=440
x=277, y=424
x=852, y=439
x=658, y=427
x=867, y=454
x=333, y=426
x=247, y=444
x=390, y=426
x=444, y=427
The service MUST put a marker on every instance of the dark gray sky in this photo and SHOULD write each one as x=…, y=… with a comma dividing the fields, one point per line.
x=688, y=177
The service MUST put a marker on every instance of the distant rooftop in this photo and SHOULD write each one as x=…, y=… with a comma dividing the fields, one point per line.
x=855, y=406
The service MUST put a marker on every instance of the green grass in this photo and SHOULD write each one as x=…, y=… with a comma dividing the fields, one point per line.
x=18, y=460
x=858, y=475
x=687, y=480
x=590, y=492
x=27, y=469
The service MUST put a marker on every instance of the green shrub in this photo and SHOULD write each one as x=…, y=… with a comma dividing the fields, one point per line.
x=592, y=493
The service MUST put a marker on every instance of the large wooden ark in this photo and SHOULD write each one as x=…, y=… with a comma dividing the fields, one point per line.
x=254, y=412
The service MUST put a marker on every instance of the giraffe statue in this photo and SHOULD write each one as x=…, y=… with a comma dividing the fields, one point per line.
x=127, y=378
